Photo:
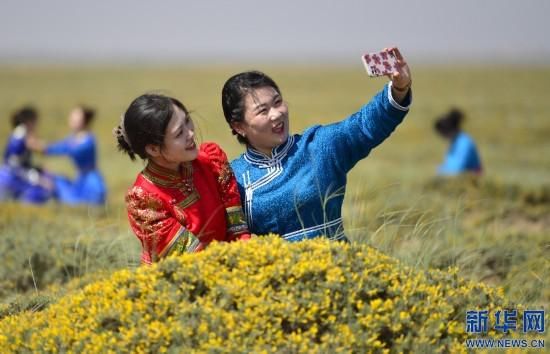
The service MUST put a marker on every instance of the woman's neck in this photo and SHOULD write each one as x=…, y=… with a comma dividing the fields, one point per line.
x=172, y=166
x=265, y=151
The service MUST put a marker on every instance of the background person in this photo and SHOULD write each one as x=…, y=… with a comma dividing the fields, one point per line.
x=80, y=146
x=19, y=178
x=462, y=155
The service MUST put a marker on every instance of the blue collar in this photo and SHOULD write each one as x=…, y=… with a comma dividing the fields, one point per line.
x=255, y=157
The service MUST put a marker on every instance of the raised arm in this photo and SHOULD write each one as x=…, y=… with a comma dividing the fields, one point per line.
x=347, y=142
x=61, y=147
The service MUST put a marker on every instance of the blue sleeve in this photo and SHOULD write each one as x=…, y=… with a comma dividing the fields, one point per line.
x=458, y=157
x=349, y=141
x=61, y=147
x=15, y=146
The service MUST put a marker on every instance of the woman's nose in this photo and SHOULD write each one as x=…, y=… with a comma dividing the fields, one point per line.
x=274, y=114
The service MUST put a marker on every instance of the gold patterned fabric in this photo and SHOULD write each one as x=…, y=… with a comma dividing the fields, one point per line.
x=236, y=222
x=175, y=211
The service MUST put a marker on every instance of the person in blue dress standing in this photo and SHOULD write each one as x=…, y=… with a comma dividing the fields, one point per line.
x=462, y=155
x=88, y=187
x=294, y=185
x=20, y=179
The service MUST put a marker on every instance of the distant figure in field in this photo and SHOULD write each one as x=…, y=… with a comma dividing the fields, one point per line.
x=462, y=155
x=88, y=187
x=19, y=179
x=186, y=196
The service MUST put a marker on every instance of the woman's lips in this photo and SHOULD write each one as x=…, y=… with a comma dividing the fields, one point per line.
x=191, y=146
x=279, y=128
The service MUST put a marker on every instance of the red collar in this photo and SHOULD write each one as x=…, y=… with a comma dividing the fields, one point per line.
x=165, y=177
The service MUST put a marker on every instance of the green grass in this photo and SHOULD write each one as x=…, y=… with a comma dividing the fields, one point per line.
x=495, y=230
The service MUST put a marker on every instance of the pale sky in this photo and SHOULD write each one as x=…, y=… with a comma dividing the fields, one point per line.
x=272, y=31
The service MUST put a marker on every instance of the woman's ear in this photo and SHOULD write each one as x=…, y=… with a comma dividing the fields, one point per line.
x=152, y=150
x=239, y=128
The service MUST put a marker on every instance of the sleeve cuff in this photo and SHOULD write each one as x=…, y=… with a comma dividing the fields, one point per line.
x=236, y=223
x=408, y=100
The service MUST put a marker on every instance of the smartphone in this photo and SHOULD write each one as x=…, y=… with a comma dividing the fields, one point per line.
x=380, y=63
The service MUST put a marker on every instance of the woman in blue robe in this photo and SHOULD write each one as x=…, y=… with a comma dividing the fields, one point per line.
x=462, y=155
x=294, y=185
x=88, y=187
x=19, y=179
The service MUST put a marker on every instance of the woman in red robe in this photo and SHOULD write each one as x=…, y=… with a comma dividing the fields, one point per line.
x=186, y=196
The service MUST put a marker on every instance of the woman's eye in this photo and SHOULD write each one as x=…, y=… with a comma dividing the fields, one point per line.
x=263, y=111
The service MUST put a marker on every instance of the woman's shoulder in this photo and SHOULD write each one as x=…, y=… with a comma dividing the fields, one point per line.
x=20, y=132
x=311, y=132
x=212, y=154
x=144, y=205
x=212, y=150
x=86, y=138
x=465, y=139
x=144, y=189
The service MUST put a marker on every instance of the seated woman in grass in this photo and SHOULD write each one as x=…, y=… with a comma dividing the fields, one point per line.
x=88, y=187
x=19, y=179
x=294, y=185
x=462, y=155
x=185, y=197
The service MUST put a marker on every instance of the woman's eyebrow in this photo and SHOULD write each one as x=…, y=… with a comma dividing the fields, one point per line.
x=258, y=106
x=262, y=105
x=177, y=128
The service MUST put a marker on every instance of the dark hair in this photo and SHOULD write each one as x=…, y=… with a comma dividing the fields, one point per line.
x=450, y=122
x=88, y=114
x=27, y=114
x=145, y=123
x=234, y=92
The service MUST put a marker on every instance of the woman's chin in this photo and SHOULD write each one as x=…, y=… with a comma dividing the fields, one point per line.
x=191, y=155
x=283, y=137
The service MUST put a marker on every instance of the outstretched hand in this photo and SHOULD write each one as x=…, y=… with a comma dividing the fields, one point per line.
x=35, y=144
x=401, y=78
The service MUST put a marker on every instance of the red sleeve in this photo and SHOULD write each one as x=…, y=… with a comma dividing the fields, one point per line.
x=229, y=192
x=159, y=232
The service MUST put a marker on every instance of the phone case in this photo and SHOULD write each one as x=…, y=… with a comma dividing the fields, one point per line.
x=380, y=63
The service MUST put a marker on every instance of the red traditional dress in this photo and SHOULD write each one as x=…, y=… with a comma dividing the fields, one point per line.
x=183, y=212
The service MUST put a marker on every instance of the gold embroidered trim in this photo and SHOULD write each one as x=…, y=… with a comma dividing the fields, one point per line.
x=184, y=242
x=235, y=220
x=225, y=174
x=190, y=199
x=177, y=235
x=170, y=179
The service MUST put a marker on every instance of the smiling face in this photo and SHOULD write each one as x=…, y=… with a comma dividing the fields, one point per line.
x=265, y=123
x=179, y=142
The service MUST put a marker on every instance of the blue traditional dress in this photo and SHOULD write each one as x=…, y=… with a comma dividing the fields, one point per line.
x=298, y=192
x=461, y=157
x=88, y=186
x=19, y=179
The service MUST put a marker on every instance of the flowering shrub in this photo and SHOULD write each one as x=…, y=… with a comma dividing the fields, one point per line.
x=263, y=295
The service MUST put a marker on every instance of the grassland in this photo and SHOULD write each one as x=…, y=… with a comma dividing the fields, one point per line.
x=495, y=229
